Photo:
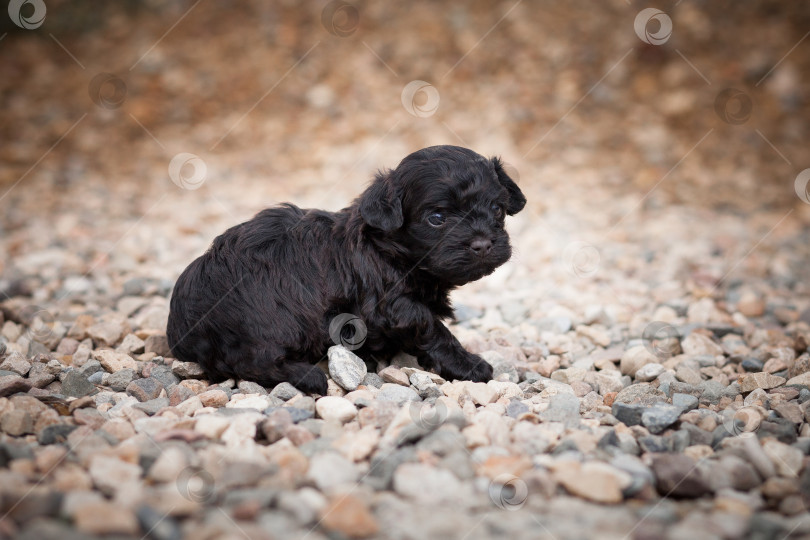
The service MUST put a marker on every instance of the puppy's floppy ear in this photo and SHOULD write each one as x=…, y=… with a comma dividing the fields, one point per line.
x=516, y=199
x=380, y=205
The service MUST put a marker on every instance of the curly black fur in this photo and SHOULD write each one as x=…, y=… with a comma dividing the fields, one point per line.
x=258, y=304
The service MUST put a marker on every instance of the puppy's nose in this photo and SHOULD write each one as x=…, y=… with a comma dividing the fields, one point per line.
x=481, y=246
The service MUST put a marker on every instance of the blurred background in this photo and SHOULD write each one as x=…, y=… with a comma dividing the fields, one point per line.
x=659, y=145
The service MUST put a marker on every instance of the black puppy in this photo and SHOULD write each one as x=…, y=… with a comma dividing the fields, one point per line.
x=259, y=303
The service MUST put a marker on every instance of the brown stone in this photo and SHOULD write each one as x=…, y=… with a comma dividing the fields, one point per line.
x=349, y=516
x=751, y=381
x=214, y=398
x=158, y=344
x=17, y=423
x=395, y=376
x=105, y=518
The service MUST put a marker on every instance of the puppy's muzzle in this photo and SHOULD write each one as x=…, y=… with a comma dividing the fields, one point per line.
x=481, y=246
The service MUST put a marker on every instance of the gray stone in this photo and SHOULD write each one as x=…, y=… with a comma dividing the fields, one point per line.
x=159, y=525
x=711, y=391
x=642, y=393
x=284, y=391
x=90, y=367
x=372, y=379
x=421, y=381
x=152, y=406
x=75, y=384
x=562, y=408
x=629, y=415
x=144, y=389
x=653, y=444
x=164, y=375
x=640, y=473
x=396, y=393
x=697, y=435
x=383, y=465
x=516, y=408
x=500, y=366
x=752, y=365
x=678, y=387
x=54, y=434
x=297, y=415
x=660, y=416
x=685, y=401
x=346, y=368
x=649, y=372
x=119, y=380
x=250, y=387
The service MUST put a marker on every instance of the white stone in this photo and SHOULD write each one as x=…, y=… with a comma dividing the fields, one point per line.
x=334, y=408
x=346, y=368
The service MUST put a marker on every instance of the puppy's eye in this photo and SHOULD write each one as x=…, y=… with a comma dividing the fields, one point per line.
x=436, y=219
x=497, y=210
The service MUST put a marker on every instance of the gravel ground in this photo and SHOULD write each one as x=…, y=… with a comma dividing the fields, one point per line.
x=650, y=335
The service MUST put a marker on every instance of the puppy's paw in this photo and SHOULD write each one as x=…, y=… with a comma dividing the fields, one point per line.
x=471, y=367
x=481, y=369
x=307, y=378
